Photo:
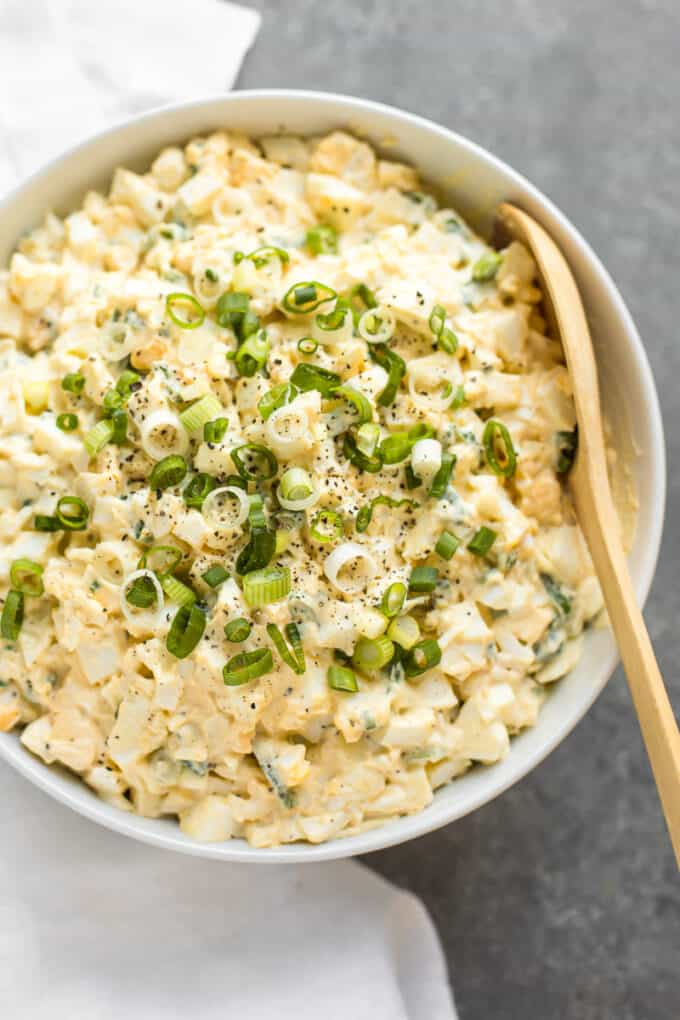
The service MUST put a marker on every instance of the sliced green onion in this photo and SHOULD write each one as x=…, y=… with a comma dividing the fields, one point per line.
x=73, y=382
x=259, y=551
x=72, y=513
x=262, y=587
x=256, y=516
x=423, y=579
x=393, y=599
x=194, y=311
x=440, y=482
x=119, y=420
x=367, y=438
x=365, y=515
x=238, y=630
x=197, y=488
x=247, y=666
x=359, y=402
x=422, y=657
x=251, y=357
x=371, y=654
x=127, y=382
x=437, y=319
x=447, y=543
x=376, y=325
x=500, y=453
x=482, y=540
x=200, y=412
x=412, y=480
x=168, y=472
x=235, y=481
x=486, y=267
x=312, y=377
x=12, y=615
x=112, y=401
x=44, y=522
x=254, y=462
x=394, y=365
x=215, y=575
x=98, y=436
x=26, y=576
x=327, y=525
x=395, y=448
x=333, y=321
x=160, y=559
x=322, y=240
x=307, y=345
x=342, y=679
x=215, y=431
x=231, y=311
x=275, y=398
x=360, y=292
x=186, y=630
x=567, y=445
x=296, y=485
x=446, y=338
x=404, y=631
x=306, y=297
x=142, y=593
x=67, y=422
x=372, y=464
x=295, y=659
x=176, y=591
x=261, y=256
x=458, y=398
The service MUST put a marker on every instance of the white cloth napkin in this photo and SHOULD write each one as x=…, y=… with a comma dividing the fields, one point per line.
x=92, y=925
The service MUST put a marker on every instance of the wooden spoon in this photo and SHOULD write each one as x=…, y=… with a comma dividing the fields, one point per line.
x=589, y=483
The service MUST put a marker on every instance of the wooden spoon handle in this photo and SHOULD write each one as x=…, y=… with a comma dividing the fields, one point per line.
x=657, y=722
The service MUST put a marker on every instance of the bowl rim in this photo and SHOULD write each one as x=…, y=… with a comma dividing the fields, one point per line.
x=404, y=828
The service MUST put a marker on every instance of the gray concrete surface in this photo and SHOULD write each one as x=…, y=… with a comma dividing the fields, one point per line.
x=561, y=899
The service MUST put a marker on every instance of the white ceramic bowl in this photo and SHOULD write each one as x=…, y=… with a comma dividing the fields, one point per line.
x=475, y=182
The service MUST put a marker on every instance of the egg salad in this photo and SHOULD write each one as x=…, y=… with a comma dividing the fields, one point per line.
x=285, y=544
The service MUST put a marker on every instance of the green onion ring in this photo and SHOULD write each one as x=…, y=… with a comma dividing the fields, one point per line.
x=394, y=365
x=340, y=678
x=422, y=657
x=72, y=513
x=307, y=377
x=305, y=297
x=215, y=575
x=161, y=559
x=197, y=488
x=262, y=587
x=26, y=577
x=423, y=579
x=186, y=630
x=307, y=345
x=67, y=422
x=168, y=472
x=238, y=630
x=481, y=541
x=500, y=453
x=247, y=666
x=393, y=600
x=330, y=519
x=295, y=659
x=259, y=454
x=12, y=615
x=177, y=300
